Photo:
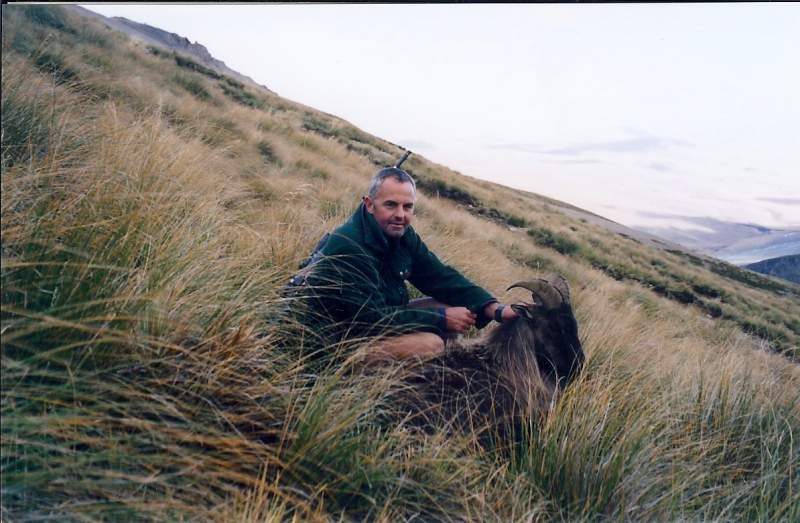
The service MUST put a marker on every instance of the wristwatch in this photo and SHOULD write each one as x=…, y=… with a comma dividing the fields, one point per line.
x=498, y=313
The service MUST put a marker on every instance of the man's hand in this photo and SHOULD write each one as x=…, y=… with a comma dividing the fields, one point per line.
x=459, y=319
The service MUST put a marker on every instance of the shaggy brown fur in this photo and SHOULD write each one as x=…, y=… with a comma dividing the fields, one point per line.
x=518, y=369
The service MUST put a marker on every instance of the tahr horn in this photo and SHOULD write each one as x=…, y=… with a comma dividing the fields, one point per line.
x=561, y=285
x=547, y=294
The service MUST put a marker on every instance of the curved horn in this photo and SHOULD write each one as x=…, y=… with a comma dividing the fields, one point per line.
x=548, y=295
x=560, y=284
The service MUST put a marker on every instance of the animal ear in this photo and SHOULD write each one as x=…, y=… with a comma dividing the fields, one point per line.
x=522, y=310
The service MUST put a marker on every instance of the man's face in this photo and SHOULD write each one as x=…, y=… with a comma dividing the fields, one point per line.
x=393, y=206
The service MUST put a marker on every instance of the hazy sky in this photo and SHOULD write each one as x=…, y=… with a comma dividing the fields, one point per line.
x=630, y=111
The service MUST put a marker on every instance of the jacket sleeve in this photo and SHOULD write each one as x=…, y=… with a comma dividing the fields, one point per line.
x=346, y=284
x=446, y=284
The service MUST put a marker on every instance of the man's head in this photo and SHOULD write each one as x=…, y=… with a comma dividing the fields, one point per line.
x=390, y=199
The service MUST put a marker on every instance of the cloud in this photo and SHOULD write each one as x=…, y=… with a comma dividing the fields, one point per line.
x=660, y=167
x=782, y=201
x=518, y=147
x=708, y=222
x=629, y=145
x=417, y=144
x=633, y=145
x=575, y=162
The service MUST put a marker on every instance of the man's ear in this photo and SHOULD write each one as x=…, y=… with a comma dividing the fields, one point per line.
x=369, y=204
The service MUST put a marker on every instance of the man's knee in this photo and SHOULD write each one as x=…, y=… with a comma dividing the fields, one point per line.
x=434, y=344
x=408, y=346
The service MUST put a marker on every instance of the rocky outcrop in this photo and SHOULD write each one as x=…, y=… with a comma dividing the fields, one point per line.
x=154, y=36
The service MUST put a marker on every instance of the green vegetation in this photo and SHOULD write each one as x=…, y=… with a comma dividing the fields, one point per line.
x=441, y=189
x=148, y=372
x=48, y=16
x=53, y=64
x=558, y=242
x=159, y=52
x=267, y=152
x=435, y=187
x=319, y=126
x=193, y=85
x=190, y=64
x=26, y=122
x=749, y=278
x=231, y=87
x=242, y=95
x=709, y=291
x=344, y=133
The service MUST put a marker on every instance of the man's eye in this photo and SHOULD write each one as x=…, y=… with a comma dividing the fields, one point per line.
x=409, y=207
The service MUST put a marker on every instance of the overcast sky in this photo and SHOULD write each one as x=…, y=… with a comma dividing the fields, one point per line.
x=630, y=111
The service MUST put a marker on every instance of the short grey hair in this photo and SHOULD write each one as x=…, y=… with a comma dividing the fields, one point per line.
x=389, y=172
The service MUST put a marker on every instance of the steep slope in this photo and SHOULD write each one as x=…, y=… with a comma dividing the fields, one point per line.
x=154, y=36
x=152, y=209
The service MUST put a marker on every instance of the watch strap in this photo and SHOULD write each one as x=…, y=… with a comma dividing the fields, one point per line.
x=498, y=313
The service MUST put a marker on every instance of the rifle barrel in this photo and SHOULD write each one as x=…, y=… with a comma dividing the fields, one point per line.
x=398, y=164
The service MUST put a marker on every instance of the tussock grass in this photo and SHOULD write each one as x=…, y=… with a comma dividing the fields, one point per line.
x=149, y=372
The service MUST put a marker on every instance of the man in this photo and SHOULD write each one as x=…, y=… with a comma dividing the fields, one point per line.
x=358, y=279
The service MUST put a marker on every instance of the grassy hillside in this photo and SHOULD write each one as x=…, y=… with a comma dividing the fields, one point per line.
x=151, y=211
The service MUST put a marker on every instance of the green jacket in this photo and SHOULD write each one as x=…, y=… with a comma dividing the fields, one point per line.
x=357, y=281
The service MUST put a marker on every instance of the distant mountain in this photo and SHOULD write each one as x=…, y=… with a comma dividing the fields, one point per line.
x=736, y=243
x=155, y=36
x=786, y=267
x=773, y=244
